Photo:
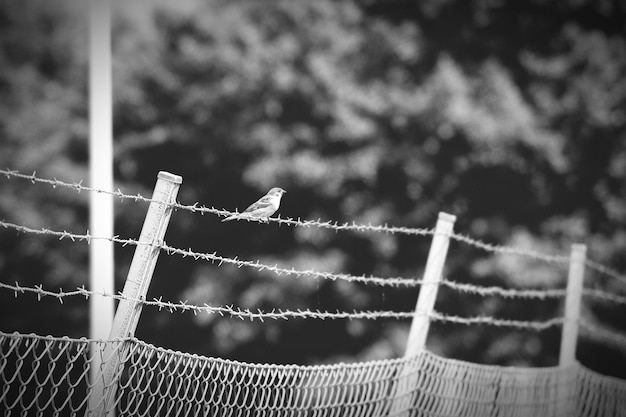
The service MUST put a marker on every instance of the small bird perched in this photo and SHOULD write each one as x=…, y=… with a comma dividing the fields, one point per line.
x=263, y=208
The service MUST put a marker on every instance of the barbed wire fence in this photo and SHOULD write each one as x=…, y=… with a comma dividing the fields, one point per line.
x=421, y=317
x=259, y=266
x=332, y=225
x=595, y=294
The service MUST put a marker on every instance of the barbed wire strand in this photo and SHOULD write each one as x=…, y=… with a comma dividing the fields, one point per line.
x=509, y=250
x=599, y=333
x=74, y=237
x=275, y=314
x=196, y=207
x=76, y=186
x=214, y=258
x=605, y=270
x=604, y=296
x=380, y=281
x=505, y=292
x=284, y=314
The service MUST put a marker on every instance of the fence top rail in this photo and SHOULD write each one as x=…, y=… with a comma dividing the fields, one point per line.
x=333, y=225
x=323, y=367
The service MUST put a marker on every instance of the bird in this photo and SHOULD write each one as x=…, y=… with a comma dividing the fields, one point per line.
x=263, y=208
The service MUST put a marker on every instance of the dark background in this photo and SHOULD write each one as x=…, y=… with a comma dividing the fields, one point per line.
x=512, y=117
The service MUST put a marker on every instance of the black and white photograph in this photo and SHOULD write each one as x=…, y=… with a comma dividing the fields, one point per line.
x=313, y=208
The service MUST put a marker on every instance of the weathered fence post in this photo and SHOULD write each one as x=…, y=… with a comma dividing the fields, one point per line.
x=432, y=278
x=575, y=276
x=403, y=400
x=569, y=334
x=101, y=400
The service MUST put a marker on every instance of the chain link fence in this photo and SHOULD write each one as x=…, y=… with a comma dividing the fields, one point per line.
x=47, y=376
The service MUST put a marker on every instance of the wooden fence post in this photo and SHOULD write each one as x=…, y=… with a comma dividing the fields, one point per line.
x=101, y=399
x=569, y=334
x=403, y=397
x=432, y=278
x=575, y=276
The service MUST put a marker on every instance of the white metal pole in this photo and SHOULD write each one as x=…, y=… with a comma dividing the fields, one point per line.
x=101, y=262
x=101, y=399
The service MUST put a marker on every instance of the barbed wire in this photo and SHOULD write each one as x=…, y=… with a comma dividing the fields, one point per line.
x=594, y=331
x=298, y=222
x=283, y=314
x=491, y=321
x=379, y=281
x=505, y=292
x=74, y=237
x=603, y=295
x=603, y=269
x=509, y=250
x=561, y=259
x=214, y=258
x=198, y=208
x=76, y=186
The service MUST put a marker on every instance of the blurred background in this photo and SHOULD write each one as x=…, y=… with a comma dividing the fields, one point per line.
x=509, y=115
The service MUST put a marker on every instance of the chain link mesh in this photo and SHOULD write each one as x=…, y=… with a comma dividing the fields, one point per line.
x=46, y=376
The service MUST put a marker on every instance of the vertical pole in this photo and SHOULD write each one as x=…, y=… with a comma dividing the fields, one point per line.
x=101, y=266
x=403, y=397
x=575, y=276
x=569, y=334
x=432, y=278
x=102, y=399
